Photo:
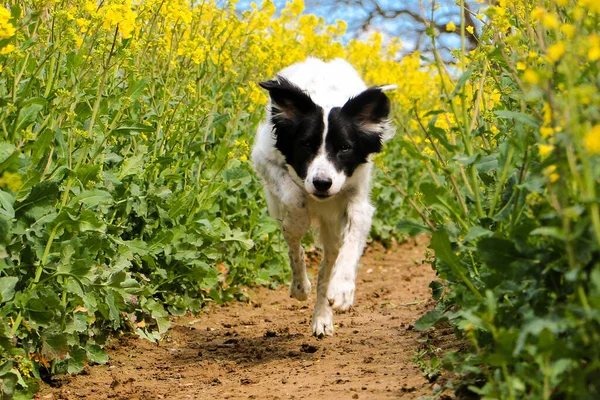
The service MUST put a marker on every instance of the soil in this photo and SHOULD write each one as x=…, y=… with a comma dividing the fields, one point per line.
x=263, y=349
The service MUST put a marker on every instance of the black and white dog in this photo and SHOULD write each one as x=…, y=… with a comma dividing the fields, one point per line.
x=313, y=153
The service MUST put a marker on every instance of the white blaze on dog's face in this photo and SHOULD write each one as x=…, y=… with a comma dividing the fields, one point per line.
x=324, y=147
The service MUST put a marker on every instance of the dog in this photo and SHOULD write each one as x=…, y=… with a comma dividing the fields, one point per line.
x=313, y=152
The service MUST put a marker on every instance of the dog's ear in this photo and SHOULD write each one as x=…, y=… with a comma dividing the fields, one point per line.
x=370, y=110
x=288, y=100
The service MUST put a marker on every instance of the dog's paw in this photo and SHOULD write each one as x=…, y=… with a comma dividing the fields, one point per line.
x=322, y=323
x=300, y=288
x=340, y=293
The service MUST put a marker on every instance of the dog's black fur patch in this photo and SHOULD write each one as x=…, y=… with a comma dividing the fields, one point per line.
x=298, y=127
x=298, y=123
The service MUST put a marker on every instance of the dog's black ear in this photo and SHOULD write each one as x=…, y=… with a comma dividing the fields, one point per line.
x=370, y=110
x=288, y=100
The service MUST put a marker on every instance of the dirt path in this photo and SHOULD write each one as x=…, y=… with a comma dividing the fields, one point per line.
x=264, y=349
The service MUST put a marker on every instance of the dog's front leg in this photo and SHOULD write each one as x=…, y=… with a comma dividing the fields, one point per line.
x=340, y=292
x=295, y=224
x=322, y=318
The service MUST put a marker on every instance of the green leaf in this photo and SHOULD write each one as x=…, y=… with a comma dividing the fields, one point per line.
x=440, y=243
x=476, y=232
x=240, y=237
x=517, y=116
x=113, y=310
x=7, y=288
x=132, y=166
x=461, y=82
x=42, y=195
x=87, y=173
x=6, y=204
x=437, y=289
x=92, y=198
x=429, y=319
x=440, y=135
x=465, y=160
x=159, y=314
x=8, y=384
x=55, y=346
x=76, y=360
x=96, y=354
x=29, y=112
x=78, y=323
x=487, y=163
x=496, y=252
x=411, y=227
x=550, y=231
x=135, y=246
x=136, y=89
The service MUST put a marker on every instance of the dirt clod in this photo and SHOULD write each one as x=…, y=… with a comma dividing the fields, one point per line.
x=308, y=348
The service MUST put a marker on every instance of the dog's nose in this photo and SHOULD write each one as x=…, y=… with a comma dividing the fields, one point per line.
x=322, y=184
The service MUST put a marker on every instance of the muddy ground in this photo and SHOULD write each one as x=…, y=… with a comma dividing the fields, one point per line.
x=264, y=349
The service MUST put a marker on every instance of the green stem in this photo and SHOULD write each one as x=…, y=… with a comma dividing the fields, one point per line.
x=40, y=268
x=16, y=323
x=502, y=181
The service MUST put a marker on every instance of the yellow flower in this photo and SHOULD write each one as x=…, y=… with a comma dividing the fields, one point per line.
x=450, y=27
x=532, y=77
x=546, y=131
x=550, y=173
x=556, y=51
x=83, y=23
x=470, y=29
x=591, y=141
x=550, y=21
x=9, y=48
x=121, y=16
x=7, y=29
x=521, y=66
x=592, y=5
x=11, y=181
x=569, y=30
x=594, y=51
x=427, y=151
x=545, y=149
x=538, y=13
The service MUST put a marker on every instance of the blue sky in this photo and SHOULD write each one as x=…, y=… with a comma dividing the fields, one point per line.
x=404, y=26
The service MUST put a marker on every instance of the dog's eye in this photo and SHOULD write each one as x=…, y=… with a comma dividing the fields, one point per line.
x=345, y=148
x=306, y=144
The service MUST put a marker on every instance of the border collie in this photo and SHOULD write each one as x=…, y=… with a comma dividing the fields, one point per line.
x=313, y=154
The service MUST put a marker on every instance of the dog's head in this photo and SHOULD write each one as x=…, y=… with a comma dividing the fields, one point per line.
x=324, y=147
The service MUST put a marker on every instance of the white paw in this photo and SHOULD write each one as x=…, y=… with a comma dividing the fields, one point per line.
x=322, y=323
x=300, y=288
x=340, y=293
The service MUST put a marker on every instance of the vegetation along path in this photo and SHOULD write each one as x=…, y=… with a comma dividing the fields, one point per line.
x=263, y=349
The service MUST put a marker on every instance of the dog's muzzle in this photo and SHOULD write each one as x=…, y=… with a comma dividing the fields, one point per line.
x=322, y=186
